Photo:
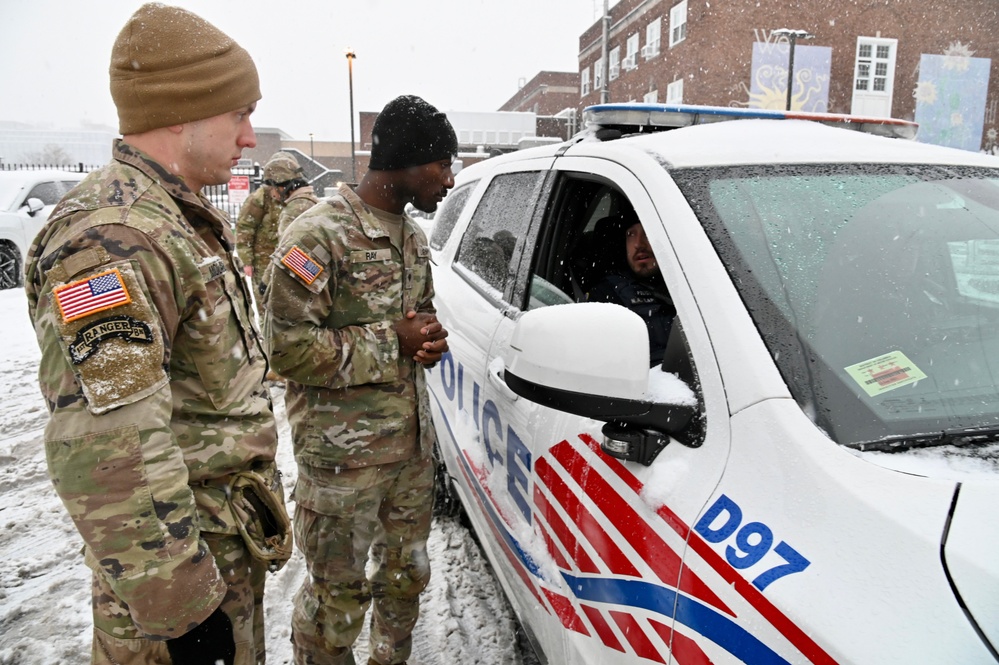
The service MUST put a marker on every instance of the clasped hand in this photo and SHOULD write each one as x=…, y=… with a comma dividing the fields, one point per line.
x=421, y=337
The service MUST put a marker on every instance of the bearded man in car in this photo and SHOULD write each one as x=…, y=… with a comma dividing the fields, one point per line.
x=634, y=279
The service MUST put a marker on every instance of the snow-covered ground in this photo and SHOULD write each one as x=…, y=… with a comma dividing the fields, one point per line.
x=45, y=588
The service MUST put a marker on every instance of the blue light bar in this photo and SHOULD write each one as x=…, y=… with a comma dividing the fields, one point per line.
x=657, y=117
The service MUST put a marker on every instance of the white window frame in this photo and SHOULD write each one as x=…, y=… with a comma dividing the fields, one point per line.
x=678, y=23
x=614, y=63
x=598, y=75
x=674, y=92
x=631, y=59
x=653, y=33
x=874, y=76
x=651, y=97
x=584, y=82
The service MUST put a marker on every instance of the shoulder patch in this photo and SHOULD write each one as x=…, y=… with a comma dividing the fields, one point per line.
x=302, y=265
x=89, y=337
x=96, y=293
x=117, y=356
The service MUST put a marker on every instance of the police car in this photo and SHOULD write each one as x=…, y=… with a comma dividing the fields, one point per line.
x=811, y=474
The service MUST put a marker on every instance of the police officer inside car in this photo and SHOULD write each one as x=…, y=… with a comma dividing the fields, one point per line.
x=634, y=279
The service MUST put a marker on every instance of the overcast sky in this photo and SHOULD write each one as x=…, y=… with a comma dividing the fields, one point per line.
x=460, y=55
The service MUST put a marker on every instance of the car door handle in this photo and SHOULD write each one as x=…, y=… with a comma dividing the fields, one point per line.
x=495, y=374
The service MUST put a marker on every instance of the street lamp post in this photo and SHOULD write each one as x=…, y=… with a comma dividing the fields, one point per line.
x=792, y=37
x=350, y=79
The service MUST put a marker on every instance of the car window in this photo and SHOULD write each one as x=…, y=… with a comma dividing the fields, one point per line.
x=580, y=249
x=448, y=215
x=570, y=257
x=48, y=192
x=67, y=185
x=494, y=238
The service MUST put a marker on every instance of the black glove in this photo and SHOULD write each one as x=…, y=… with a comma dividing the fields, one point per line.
x=262, y=288
x=209, y=643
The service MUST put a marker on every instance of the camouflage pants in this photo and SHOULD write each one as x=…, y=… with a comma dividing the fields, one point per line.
x=342, y=518
x=118, y=642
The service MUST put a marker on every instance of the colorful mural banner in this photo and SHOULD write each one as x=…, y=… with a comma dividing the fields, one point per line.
x=768, y=88
x=950, y=100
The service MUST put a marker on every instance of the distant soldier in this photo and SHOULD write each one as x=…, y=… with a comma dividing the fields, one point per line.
x=162, y=439
x=300, y=200
x=352, y=327
x=257, y=224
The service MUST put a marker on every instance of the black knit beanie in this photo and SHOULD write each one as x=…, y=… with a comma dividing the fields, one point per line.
x=410, y=132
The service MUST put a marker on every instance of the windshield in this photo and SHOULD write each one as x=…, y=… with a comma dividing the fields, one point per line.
x=10, y=191
x=875, y=287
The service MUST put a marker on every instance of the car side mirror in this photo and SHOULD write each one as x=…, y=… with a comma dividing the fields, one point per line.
x=592, y=360
x=34, y=205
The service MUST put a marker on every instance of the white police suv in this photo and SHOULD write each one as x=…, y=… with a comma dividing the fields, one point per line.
x=811, y=473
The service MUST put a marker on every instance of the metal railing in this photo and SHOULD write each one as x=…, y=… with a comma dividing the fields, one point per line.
x=217, y=194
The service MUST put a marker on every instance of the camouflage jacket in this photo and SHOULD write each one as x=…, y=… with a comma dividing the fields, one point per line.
x=257, y=229
x=300, y=200
x=337, y=286
x=153, y=374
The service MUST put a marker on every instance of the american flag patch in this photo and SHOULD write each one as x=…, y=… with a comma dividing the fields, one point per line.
x=302, y=265
x=94, y=294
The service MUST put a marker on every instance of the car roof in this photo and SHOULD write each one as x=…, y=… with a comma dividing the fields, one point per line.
x=791, y=141
x=744, y=136
x=41, y=174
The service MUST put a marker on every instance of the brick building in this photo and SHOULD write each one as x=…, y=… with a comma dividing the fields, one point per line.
x=547, y=94
x=931, y=62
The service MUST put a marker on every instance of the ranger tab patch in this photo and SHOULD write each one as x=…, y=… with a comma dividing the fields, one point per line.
x=89, y=337
x=302, y=265
x=95, y=294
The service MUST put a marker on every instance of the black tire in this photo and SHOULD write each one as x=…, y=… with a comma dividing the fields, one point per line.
x=10, y=266
x=446, y=502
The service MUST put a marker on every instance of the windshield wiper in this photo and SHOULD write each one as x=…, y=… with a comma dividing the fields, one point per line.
x=965, y=436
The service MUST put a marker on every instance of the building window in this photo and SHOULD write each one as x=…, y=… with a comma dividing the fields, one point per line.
x=674, y=92
x=584, y=83
x=598, y=75
x=651, y=97
x=614, y=63
x=651, y=48
x=678, y=23
x=631, y=59
x=875, y=64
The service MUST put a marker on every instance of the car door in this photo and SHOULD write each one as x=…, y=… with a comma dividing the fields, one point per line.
x=473, y=290
x=606, y=538
x=48, y=192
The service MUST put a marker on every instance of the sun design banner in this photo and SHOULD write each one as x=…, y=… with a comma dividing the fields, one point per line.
x=950, y=98
x=768, y=87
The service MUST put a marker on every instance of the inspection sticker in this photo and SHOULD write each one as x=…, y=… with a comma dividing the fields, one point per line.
x=884, y=373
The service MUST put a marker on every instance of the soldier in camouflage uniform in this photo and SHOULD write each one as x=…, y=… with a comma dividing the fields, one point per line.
x=298, y=202
x=257, y=224
x=351, y=327
x=151, y=367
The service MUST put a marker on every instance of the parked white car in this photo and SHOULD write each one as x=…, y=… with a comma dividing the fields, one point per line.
x=812, y=473
x=27, y=198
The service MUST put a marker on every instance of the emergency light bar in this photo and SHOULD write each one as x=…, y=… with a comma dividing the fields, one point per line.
x=638, y=118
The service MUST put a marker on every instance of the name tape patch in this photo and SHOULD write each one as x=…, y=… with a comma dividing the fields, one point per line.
x=369, y=255
x=97, y=293
x=302, y=265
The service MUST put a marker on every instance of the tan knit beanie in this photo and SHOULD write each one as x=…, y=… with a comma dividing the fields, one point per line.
x=169, y=66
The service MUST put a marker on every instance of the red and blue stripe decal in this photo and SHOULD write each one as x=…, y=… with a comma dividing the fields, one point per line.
x=622, y=581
